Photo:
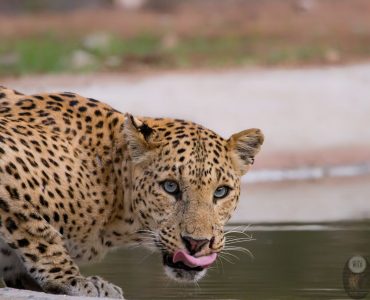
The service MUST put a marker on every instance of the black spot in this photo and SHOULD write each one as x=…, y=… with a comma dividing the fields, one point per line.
x=56, y=98
x=65, y=218
x=42, y=248
x=43, y=202
x=56, y=217
x=4, y=205
x=13, y=193
x=99, y=124
x=23, y=243
x=55, y=270
x=21, y=217
x=114, y=122
x=35, y=217
x=47, y=218
x=10, y=225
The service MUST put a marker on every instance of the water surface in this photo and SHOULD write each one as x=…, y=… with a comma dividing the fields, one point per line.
x=290, y=262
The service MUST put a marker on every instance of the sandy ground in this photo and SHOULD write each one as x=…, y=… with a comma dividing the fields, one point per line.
x=325, y=200
x=311, y=117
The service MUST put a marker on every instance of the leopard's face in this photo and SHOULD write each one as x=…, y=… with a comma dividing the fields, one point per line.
x=185, y=190
x=185, y=201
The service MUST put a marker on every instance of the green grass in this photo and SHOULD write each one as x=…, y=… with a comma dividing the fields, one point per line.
x=35, y=55
x=51, y=54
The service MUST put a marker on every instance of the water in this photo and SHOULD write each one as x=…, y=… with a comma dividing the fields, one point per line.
x=289, y=262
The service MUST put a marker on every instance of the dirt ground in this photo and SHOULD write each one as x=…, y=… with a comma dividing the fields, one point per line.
x=324, y=32
x=292, y=19
x=310, y=201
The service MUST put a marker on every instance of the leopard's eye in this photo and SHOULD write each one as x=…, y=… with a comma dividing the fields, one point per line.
x=171, y=187
x=221, y=192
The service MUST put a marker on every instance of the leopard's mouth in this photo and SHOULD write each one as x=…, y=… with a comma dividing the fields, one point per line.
x=180, y=272
x=168, y=261
x=183, y=267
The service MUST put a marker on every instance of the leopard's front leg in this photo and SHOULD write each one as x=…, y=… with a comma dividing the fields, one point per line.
x=41, y=250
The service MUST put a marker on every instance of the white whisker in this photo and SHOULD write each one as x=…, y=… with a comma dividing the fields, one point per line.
x=236, y=241
x=239, y=249
x=232, y=255
x=226, y=259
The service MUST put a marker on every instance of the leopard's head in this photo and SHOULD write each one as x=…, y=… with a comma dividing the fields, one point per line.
x=186, y=185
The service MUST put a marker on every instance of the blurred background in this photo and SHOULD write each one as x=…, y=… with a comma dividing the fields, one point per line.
x=41, y=36
x=297, y=69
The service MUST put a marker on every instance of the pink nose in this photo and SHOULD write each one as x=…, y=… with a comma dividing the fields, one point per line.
x=194, y=245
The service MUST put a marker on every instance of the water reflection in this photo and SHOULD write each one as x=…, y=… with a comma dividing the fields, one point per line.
x=298, y=262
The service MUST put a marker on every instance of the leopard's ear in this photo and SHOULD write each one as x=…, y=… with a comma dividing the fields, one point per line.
x=140, y=139
x=243, y=147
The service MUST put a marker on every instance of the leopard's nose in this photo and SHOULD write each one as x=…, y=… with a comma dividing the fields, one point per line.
x=194, y=245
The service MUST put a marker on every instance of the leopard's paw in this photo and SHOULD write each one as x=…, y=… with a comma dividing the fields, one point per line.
x=93, y=286
x=105, y=288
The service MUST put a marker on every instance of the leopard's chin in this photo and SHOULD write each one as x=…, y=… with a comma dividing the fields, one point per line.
x=181, y=272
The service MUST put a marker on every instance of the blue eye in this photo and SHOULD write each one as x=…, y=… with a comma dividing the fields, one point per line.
x=221, y=192
x=171, y=187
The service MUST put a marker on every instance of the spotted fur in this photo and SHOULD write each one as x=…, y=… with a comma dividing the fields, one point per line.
x=78, y=178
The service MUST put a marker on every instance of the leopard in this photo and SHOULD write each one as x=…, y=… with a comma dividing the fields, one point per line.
x=79, y=178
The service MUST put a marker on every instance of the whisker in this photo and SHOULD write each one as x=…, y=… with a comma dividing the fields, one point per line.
x=239, y=249
x=233, y=255
x=239, y=238
x=226, y=259
x=236, y=241
x=236, y=229
x=222, y=265
x=237, y=232
x=146, y=257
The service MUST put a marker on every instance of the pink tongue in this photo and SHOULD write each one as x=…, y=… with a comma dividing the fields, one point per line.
x=191, y=261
